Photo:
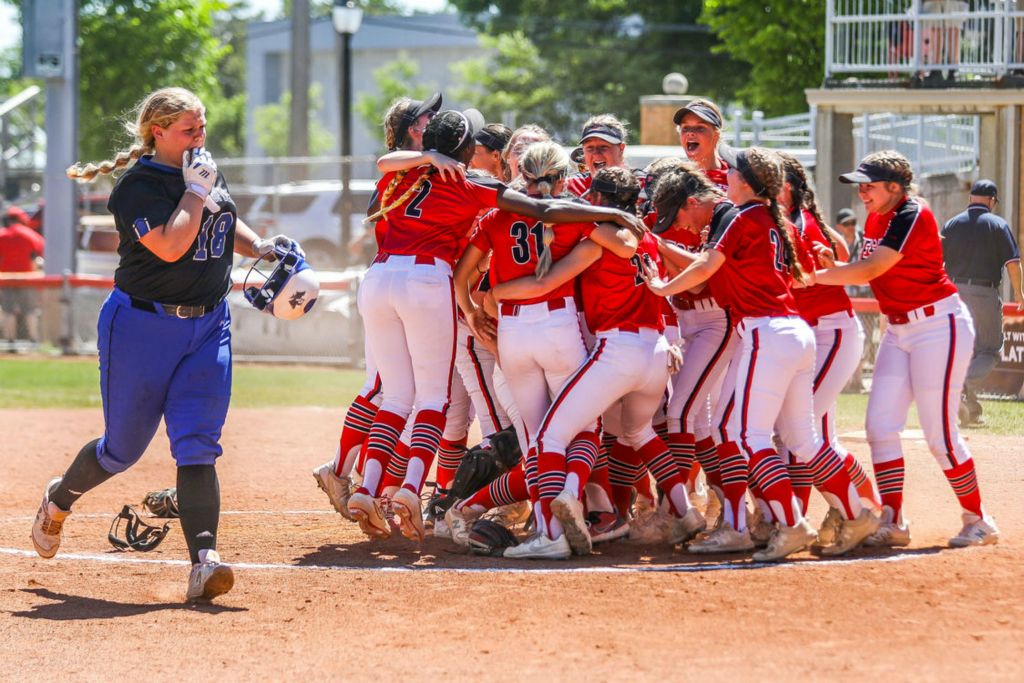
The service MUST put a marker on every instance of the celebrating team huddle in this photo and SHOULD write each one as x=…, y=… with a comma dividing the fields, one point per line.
x=609, y=328
x=636, y=325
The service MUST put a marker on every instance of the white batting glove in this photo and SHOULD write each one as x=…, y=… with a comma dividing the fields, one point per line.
x=199, y=172
x=262, y=247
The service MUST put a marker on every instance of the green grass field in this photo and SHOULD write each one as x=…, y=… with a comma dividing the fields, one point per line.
x=74, y=383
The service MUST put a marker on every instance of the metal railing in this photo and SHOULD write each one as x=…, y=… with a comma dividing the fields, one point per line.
x=898, y=37
x=22, y=141
x=933, y=144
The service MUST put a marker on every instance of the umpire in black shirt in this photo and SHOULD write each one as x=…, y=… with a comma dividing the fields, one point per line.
x=977, y=244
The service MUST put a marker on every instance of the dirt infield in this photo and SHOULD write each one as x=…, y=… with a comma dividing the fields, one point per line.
x=315, y=601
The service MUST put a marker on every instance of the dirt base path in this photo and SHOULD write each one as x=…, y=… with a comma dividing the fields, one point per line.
x=315, y=601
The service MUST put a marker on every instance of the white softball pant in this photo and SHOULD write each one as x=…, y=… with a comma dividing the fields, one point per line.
x=631, y=366
x=774, y=387
x=408, y=306
x=540, y=349
x=839, y=344
x=476, y=368
x=708, y=345
x=924, y=361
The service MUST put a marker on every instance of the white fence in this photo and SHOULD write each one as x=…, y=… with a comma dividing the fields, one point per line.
x=894, y=37
x=934, y=144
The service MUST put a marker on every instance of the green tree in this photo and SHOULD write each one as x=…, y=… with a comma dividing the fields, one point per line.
x=784, y=43
x=395, y=79
x=271, y=123
x=603, y=55
x=514, y=79
x=127, y=48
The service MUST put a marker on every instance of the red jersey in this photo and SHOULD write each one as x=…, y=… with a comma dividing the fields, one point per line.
x=818, y=300
x=719, y=176
x=754, y=278
x=516, y=242
x=919, y=278
x=614, y=294
x=690, y=242
x=436, y=220
x=578, y=184
x=19, y=244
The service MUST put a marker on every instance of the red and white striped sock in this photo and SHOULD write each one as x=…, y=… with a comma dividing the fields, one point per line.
x=865, y=487
x=802, y=480
x=358, y=421
x=832, y=479
x=550, y=482
x=380, y=445
x=964, y=481
x=426, y=438
x=734, y=472
x=683, y=448
x=581, y=458
x=889, y=476
x=771, y=477
x=449, y=455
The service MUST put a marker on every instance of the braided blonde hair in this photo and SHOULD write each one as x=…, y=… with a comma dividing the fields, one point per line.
x=766, y=165
x=385, y=208
x=545, y=163
x=160, y=108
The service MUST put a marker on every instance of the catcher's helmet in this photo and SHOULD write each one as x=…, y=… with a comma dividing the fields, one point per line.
x=289, y=290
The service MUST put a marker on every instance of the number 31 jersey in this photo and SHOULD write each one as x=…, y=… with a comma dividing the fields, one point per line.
x=516, y=242
x=436, y=219
x=142, y=200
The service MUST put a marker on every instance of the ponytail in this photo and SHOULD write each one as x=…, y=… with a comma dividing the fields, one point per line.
x=789, y=250
x=385, y=208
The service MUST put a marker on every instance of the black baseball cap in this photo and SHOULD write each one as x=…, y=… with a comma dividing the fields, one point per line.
x=417, y=108
x=870, y=173
x=737, y=158
x=667, y=209
x=845, y=216
x=702, y=110
x=984, y=188
x=602, y=132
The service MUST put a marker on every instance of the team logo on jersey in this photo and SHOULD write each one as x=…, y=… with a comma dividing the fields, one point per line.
x=869, y=246
x=141, y=226
x=297, y=299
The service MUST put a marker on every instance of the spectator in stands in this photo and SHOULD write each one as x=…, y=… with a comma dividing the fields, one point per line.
x=941, y=43
x=21, y=251
x=976, y=245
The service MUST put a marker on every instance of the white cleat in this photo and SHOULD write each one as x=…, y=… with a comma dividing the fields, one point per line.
x=540, y=547
x=338, y=489
x=48, y=527
x=787, y=540
x=890, y=534
x=852, y=533
x=367, y=513
x=210, y=578
x=651, y=527
x=459, y=523
x=723, y=539
x=977, y=531
x=441, y=529
x=569, y=511
x=406, y=505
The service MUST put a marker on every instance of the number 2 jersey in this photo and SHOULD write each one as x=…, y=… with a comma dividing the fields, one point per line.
x=436, y=219
x=142, y=200
x=919, y=278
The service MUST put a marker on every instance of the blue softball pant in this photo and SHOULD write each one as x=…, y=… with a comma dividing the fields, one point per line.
x=155, y=365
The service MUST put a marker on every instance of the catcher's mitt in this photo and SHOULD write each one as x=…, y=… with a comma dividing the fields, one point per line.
x=480, y=466
x=487, y=537
x=162, y=503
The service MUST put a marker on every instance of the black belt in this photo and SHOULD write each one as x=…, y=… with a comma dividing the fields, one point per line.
x=172, y=310
x=976, y=282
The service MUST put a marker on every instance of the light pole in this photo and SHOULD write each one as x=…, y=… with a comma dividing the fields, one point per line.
x=346, y=18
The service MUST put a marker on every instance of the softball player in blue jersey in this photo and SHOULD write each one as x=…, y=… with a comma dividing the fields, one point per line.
x=164, y=331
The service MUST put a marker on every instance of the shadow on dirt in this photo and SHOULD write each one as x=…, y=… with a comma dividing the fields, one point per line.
x=441, y=555
x=80, y=608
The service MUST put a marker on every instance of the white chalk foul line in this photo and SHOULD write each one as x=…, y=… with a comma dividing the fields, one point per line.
x=116, y=558
x=224, y=513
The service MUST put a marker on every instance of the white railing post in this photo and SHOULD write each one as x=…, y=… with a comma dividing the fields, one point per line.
x=829, y=16
x=915, y=16
x=756, y=122
x=1007, y=36
x=920, y=144
x=737, y=125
